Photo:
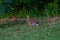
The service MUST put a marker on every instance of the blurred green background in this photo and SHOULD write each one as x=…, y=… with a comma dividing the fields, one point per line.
x=34, y=8
x=20, y=30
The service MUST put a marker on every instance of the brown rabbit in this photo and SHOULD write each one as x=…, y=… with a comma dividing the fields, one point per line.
x=32, y=22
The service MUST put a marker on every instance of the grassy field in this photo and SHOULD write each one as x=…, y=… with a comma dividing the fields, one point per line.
x=24, y=32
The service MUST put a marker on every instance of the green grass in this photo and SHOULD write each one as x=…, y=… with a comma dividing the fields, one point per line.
x=42, y=32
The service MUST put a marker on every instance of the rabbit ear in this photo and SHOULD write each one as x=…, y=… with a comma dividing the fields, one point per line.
x=27, y=15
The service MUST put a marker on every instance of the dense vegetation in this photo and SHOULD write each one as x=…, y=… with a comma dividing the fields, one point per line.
x=34, y=8
x=48, y=29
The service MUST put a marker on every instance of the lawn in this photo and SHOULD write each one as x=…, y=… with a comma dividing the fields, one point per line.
x=24, y=32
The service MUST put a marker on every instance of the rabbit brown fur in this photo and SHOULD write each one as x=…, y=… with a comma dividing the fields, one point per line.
x=31, y=22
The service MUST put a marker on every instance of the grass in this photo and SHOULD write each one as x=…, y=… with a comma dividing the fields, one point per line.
x=24, y=32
